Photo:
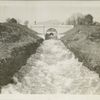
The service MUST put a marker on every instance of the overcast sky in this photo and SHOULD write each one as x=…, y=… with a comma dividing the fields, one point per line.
x=47, y=10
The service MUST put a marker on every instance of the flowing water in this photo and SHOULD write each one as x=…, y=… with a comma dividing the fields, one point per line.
x=54, y=69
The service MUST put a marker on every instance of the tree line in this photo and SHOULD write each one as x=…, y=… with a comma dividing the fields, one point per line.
x=80, y=19
x=16, y=21
x=75, y=19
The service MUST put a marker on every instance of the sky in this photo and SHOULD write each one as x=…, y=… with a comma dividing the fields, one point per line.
x=47, y=10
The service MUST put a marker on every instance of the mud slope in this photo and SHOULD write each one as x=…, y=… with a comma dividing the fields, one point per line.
x=84, y=42
x=17, y=43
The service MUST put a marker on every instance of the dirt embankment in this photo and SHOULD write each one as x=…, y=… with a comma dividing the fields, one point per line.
x=84, y=42
x=17, y=43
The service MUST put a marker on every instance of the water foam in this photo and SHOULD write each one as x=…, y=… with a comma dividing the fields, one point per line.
x=54, y=69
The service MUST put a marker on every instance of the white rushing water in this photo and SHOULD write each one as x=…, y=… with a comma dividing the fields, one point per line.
x=54, y=69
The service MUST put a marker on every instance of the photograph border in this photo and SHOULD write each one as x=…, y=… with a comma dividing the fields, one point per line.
x=47, y=97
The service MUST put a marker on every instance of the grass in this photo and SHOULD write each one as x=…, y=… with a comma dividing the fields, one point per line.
x=17, y=43
x=14, y=35
x=84, y=42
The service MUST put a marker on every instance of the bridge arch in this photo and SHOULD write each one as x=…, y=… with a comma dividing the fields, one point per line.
x=51, y=33
x=41, y=29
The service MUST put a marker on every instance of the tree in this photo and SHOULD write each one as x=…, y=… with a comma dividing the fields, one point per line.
x=75, y=19
x=8, y=19
x=81, y=21
x=88, y=19
x=18, y=21
x=12, y=20
x=35, y=22
x=26, y=23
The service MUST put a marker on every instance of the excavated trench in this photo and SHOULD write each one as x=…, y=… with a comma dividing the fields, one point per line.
x=18, y=57
x=53, y=69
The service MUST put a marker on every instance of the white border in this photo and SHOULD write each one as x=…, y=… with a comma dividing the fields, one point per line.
x=49, y=97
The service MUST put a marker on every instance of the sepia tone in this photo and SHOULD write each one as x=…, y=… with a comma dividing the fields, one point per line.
x=50, y=47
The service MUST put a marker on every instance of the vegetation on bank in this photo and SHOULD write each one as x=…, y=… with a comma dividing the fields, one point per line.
x=80, y=19
x=84, y=42
x=17, y=43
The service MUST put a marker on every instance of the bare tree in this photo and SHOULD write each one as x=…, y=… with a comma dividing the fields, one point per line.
x=75, y=19
x=26, y=23
x=88, y=19
x=79, y=19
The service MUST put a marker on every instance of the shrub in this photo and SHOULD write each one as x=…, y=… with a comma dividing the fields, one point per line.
x=12, y=20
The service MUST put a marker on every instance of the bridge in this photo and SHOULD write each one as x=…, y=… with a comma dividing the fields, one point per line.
x=41, y=29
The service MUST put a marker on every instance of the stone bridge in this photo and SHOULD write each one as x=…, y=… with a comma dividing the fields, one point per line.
x=43, y=28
